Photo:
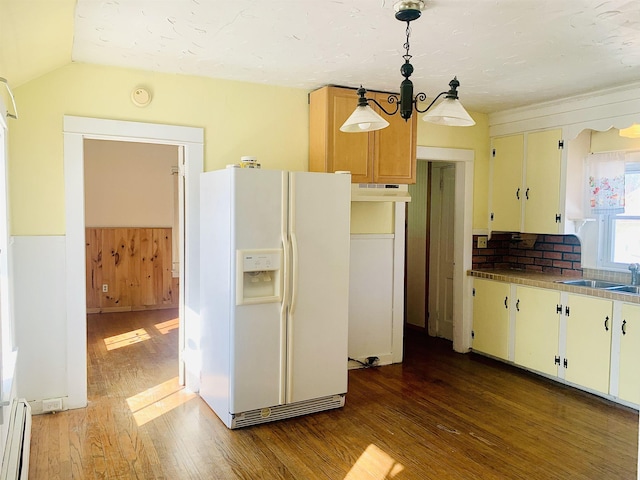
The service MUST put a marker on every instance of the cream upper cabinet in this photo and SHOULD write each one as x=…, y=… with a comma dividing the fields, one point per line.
x=506, y=175
x=542, y=182
x=629, y=370
x=537, y=326
x=526, y=182
x=491, y=317
x=383, y=156
x=588, y=345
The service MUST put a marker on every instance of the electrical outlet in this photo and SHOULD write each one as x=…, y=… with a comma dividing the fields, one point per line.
x=482, y=242
x=105, y=288
x=52, y=405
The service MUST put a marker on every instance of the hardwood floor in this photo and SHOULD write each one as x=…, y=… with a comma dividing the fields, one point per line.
x=439, y=415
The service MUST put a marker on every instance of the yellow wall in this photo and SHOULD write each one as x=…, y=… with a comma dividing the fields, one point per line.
x=473, y=138
x=238, y=119
x=372, y=217
x=36, y=37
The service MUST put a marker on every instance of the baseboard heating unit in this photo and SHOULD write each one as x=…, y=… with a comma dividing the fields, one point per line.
x=15, y=461
x=280, y=412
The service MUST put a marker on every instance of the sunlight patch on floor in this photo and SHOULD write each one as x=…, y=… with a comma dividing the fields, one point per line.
x=374, y=464
x=158, y=400
x=124, y=339
x=166, y=327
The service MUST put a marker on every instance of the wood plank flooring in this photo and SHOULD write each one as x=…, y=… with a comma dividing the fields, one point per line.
x=438, y=415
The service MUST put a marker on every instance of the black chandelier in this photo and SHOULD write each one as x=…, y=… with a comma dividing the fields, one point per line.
x=448, y=112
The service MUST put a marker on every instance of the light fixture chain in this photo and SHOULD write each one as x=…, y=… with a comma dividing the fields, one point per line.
x=406, y=56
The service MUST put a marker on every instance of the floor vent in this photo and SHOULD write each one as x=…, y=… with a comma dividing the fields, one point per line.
x=15, y=461
x=280, y=412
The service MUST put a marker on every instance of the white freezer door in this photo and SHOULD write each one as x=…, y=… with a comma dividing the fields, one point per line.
x=257, y=332
x=319, y=215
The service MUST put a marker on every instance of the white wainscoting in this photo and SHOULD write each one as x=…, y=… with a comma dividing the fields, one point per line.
x=39, y=294
x=371, y=298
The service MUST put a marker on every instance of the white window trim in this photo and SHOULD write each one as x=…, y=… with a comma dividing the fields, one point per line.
x=606, y=254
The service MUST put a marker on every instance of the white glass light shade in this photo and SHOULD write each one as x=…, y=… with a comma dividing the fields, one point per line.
x=631, y=132
x=363, y=119
x=449, y=112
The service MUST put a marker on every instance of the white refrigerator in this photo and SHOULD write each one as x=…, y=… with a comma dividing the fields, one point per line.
x=274, y=293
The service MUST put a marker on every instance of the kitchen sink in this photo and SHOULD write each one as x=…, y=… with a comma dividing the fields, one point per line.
x=626, y=289
x=583, y=282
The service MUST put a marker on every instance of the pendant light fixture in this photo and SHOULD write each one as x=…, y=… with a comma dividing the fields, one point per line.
x=630, y=132
x=448, y=112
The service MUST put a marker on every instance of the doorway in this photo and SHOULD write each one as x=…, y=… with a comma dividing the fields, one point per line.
x=442, y=239
x=133, y=214
x=416, y=267
x=190, y=142
x=430, y=240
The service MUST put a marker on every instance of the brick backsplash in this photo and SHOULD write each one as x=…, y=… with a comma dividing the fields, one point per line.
x=555, y=254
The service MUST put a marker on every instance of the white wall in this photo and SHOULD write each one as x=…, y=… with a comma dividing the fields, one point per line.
x=129, y=184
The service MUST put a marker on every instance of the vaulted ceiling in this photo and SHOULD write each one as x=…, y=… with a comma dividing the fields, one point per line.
x=506, y=53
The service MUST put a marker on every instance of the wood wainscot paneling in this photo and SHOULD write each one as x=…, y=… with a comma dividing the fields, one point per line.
x=134, y=264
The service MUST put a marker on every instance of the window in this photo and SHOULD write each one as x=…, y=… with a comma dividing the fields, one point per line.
x=622, y=230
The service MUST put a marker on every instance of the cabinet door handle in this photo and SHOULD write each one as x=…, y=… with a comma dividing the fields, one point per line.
x=505, y=302
x=624, y=327
x=526, y=193
x=518, y=305
x=606, y=324
x=518, y=193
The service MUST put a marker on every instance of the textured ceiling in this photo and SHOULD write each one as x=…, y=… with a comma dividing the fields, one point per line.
x=506, y=53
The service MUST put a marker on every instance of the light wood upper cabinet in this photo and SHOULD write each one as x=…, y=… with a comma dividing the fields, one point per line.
x=383, y=156
x=525, y=178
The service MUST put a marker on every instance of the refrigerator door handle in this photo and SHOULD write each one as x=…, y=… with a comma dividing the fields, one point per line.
x=284, y=235
x=290, y=321
x=286, y=274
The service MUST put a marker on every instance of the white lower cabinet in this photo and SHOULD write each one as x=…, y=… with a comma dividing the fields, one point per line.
x=491, y=318
x=587, y=362
x=590, y=342
x=537, y=327
x=629, y=359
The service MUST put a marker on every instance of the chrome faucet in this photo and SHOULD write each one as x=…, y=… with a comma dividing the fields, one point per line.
x=633, y=268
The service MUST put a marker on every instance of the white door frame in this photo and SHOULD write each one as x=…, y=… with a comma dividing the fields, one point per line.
x=463, y=238
x=76, y=130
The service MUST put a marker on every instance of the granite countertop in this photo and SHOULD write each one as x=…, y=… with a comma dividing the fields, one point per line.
x=544, y=280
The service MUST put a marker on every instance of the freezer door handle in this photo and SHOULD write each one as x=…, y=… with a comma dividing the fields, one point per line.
x=293, y=284
x=294, y=272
